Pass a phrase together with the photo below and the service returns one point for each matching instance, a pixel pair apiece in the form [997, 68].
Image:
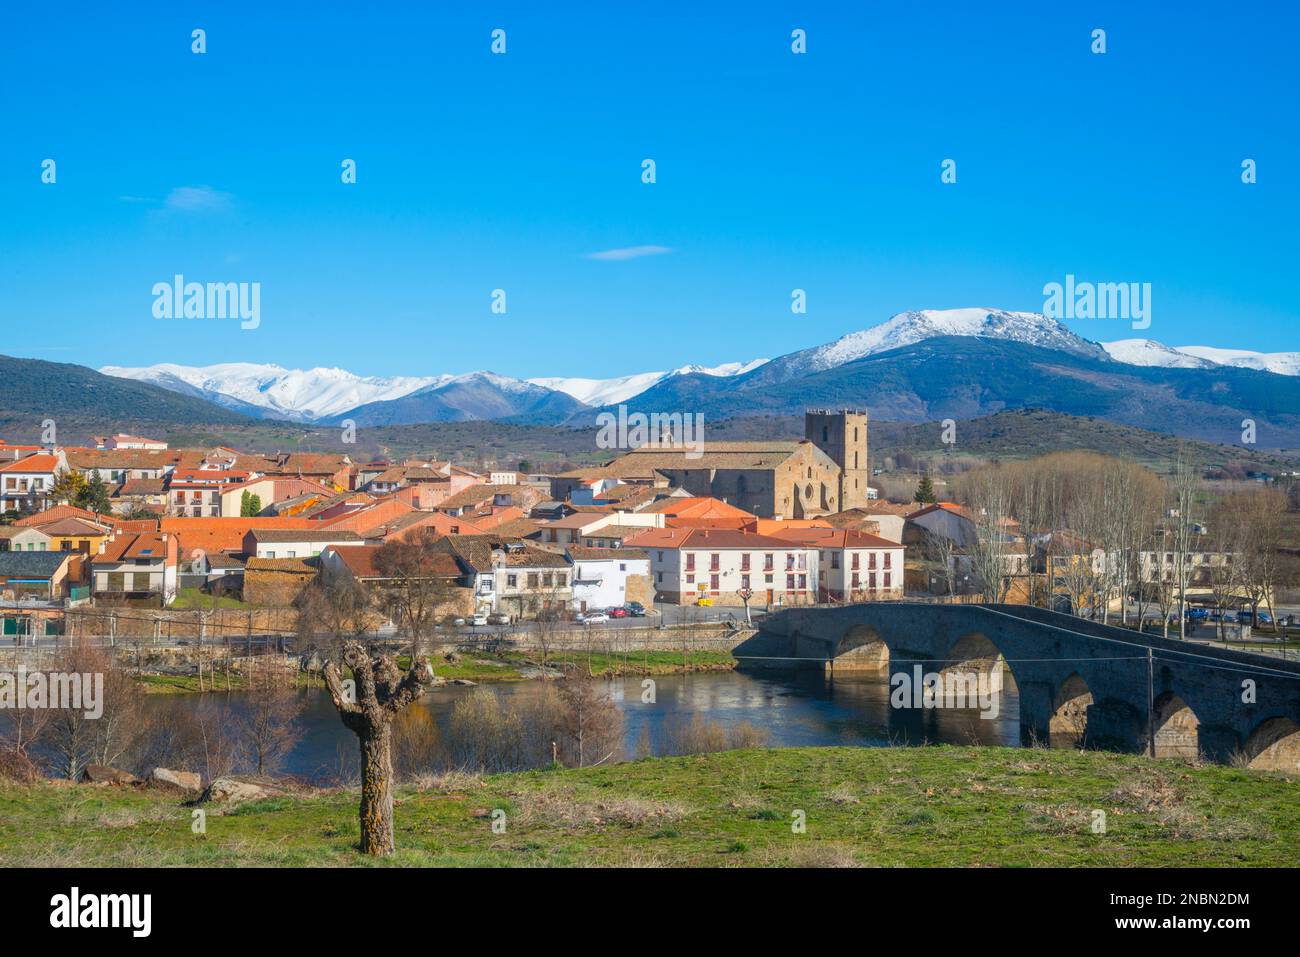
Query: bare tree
[591, 726]
[74, 738]
[367, 708]
[268, 728]
[419, 588]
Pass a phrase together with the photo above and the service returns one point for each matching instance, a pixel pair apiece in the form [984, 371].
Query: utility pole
[1151, 704]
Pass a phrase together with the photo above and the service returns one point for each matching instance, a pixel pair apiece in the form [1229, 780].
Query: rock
[102, 774]
[232, 790]
[186, 781]
[463, 681]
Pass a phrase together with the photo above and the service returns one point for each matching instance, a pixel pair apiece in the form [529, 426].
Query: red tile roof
[32, 463]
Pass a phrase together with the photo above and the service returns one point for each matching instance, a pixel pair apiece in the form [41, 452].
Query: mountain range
[915, 366]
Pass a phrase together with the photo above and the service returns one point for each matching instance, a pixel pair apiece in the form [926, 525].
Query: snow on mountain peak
[1281, 363]
[293, 393]
[599, 392]
[908, 328]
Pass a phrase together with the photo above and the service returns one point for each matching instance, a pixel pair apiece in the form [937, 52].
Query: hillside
[32, 390]
[1016, 434]
[964, 377]
[919, 807]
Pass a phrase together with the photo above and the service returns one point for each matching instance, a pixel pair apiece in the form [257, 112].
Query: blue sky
[775, 171]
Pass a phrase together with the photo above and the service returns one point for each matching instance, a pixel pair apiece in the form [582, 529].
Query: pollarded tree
[378, 693]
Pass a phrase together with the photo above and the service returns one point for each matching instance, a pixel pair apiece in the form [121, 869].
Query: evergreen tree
[925, 491]
[94, 496]
[243, 505]
[254, 505]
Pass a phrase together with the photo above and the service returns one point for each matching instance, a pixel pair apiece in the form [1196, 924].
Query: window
[714, 560]
[713, 582]
[532, 579]
[512, 581]
[835, 559]
[690, 561]
[857, 582]
[547, 579]
[744, 581]
[857, 561]
[767, 563]
[690, 579]
[871, 580]
[560, 579]
[886, 579]
[888, 558]
[789, 583]
[803, 582]
[871, 560]
[744, 561]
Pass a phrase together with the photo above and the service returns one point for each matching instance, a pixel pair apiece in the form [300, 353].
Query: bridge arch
[861, 649]
[1177, 728]
[1274, 745]
[1069, 723]
[974, 651]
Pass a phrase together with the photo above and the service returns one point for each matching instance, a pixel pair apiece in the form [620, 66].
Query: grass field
[930, 806]
[510, 666]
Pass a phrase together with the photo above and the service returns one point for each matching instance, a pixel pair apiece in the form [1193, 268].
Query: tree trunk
[377, 789]
[381, 692]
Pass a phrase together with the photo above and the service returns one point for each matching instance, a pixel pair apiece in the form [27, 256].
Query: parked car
[458, 622]
[479, 619]
[636, 609]
[1198, 614]
[498, 618]
[618, 613]
[593, 617]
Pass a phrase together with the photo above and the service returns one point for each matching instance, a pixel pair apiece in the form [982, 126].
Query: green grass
[511, 666]
[932, 806]
[193, 598]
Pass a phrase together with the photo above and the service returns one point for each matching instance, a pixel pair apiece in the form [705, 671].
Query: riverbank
[926, 806]
[507, 666]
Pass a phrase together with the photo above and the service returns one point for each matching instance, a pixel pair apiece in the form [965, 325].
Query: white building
[690, 564]
[601, 576]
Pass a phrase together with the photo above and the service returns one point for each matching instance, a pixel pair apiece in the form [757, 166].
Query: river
[797, 708]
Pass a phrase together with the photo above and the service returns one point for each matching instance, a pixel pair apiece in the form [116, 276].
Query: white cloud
[197, 199]
[629, 252]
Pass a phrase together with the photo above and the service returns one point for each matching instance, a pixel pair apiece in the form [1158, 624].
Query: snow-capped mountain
[1281, 363]
[908, 328]
[1145, 352]
[319, 395]
[1148, 352]
[600, 392]
[298, 394]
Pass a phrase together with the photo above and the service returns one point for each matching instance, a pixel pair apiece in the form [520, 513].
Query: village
[737, 528]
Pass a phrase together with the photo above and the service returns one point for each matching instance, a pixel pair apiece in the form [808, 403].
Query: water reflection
[798, 708]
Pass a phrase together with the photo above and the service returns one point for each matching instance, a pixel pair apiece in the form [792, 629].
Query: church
[825, 472]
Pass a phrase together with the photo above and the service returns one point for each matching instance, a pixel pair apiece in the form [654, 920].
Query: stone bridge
[1080, 683]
